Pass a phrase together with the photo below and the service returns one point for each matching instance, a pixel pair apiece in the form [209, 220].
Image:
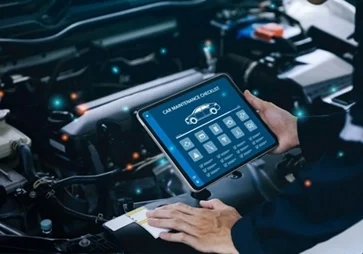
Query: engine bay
[73, 74]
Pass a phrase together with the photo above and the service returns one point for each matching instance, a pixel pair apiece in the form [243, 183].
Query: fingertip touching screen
[208, 131]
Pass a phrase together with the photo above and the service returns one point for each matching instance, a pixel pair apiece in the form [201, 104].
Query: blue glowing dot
[299, 113]
[340, 154]
[126, 109]
[163, 51]
[138, 191]
[255, 92]
[115, 70]
[208, 48]
[333, 89]
[224, 94]
[57, 102]
[171, 148]
[162, 162]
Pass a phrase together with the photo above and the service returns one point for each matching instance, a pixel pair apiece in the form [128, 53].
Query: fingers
[166, 214]
[181, 208]
[180, 238]
[257, 103]
[213, 204]
[174, 224]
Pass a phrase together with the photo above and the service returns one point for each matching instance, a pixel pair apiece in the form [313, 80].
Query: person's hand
[281, 122]
[206, 229]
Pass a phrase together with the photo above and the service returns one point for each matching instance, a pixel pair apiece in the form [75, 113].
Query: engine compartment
[73, 86]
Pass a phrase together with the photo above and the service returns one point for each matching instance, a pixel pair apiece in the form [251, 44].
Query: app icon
[237, 132]
[210, 147]
[216, 129]
[250, 125]
[242, 115]
[229, 122]
[187, 144]
[195, 155]
[201, 136]
[224, 139]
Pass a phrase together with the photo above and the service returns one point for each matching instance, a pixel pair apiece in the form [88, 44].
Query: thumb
[257, 103]
[212, 204]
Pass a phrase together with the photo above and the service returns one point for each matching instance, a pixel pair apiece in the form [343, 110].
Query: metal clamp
[99, 217]
[50, 194]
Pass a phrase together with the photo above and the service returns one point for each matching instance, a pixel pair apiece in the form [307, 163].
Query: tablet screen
[208, 131]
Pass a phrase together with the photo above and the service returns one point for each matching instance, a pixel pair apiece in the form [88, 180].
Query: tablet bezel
[169, 155]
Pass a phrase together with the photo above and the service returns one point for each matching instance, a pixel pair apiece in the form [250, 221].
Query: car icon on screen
[202, 112]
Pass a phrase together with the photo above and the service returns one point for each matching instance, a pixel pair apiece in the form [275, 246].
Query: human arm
[314, 135]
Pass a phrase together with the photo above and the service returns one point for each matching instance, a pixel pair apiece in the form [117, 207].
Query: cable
[90, 179]
[79, 215]
[7, 229]
[28, 162]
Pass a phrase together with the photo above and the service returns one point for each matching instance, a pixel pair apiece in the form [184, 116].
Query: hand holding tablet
[208, 131]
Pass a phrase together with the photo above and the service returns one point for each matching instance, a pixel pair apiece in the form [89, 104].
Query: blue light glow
[340, 154]
[162, 161]
[208, 48]
[125, 109]
[299, 113]
[115, 70]
[224, 94]
[163, 51]
[255, 92]
[333, 89]
[138, 191]
[57, 102]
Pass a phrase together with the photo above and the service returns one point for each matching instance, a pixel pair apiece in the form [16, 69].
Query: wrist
[231, 248]
[294, 136]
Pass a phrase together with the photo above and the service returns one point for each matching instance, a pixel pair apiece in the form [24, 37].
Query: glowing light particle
[299, 113]
[307, 183]
[340, 154]
[224, 94]
[162, 161]
[125, 108]
[1, 94]
[57, 102]
[136, 156]
[255, 92]
[138, 191]
[129, 167]
[115, 70]
[163, 51]
[73, 96]
[64, 137]
[333, 89]
[208, 43]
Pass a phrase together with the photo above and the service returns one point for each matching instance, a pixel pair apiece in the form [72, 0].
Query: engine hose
[79, 215]
[85, 179]
[9, 230]
[28, 162]
[91, 179]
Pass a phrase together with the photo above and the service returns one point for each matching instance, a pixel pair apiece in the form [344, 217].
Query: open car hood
[37, 21]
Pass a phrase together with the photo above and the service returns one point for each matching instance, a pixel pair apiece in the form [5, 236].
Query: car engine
[73, 73]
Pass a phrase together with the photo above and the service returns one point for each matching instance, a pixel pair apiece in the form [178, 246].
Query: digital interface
[208, 131]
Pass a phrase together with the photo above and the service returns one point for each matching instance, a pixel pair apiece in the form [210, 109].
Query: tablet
[207, 131]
